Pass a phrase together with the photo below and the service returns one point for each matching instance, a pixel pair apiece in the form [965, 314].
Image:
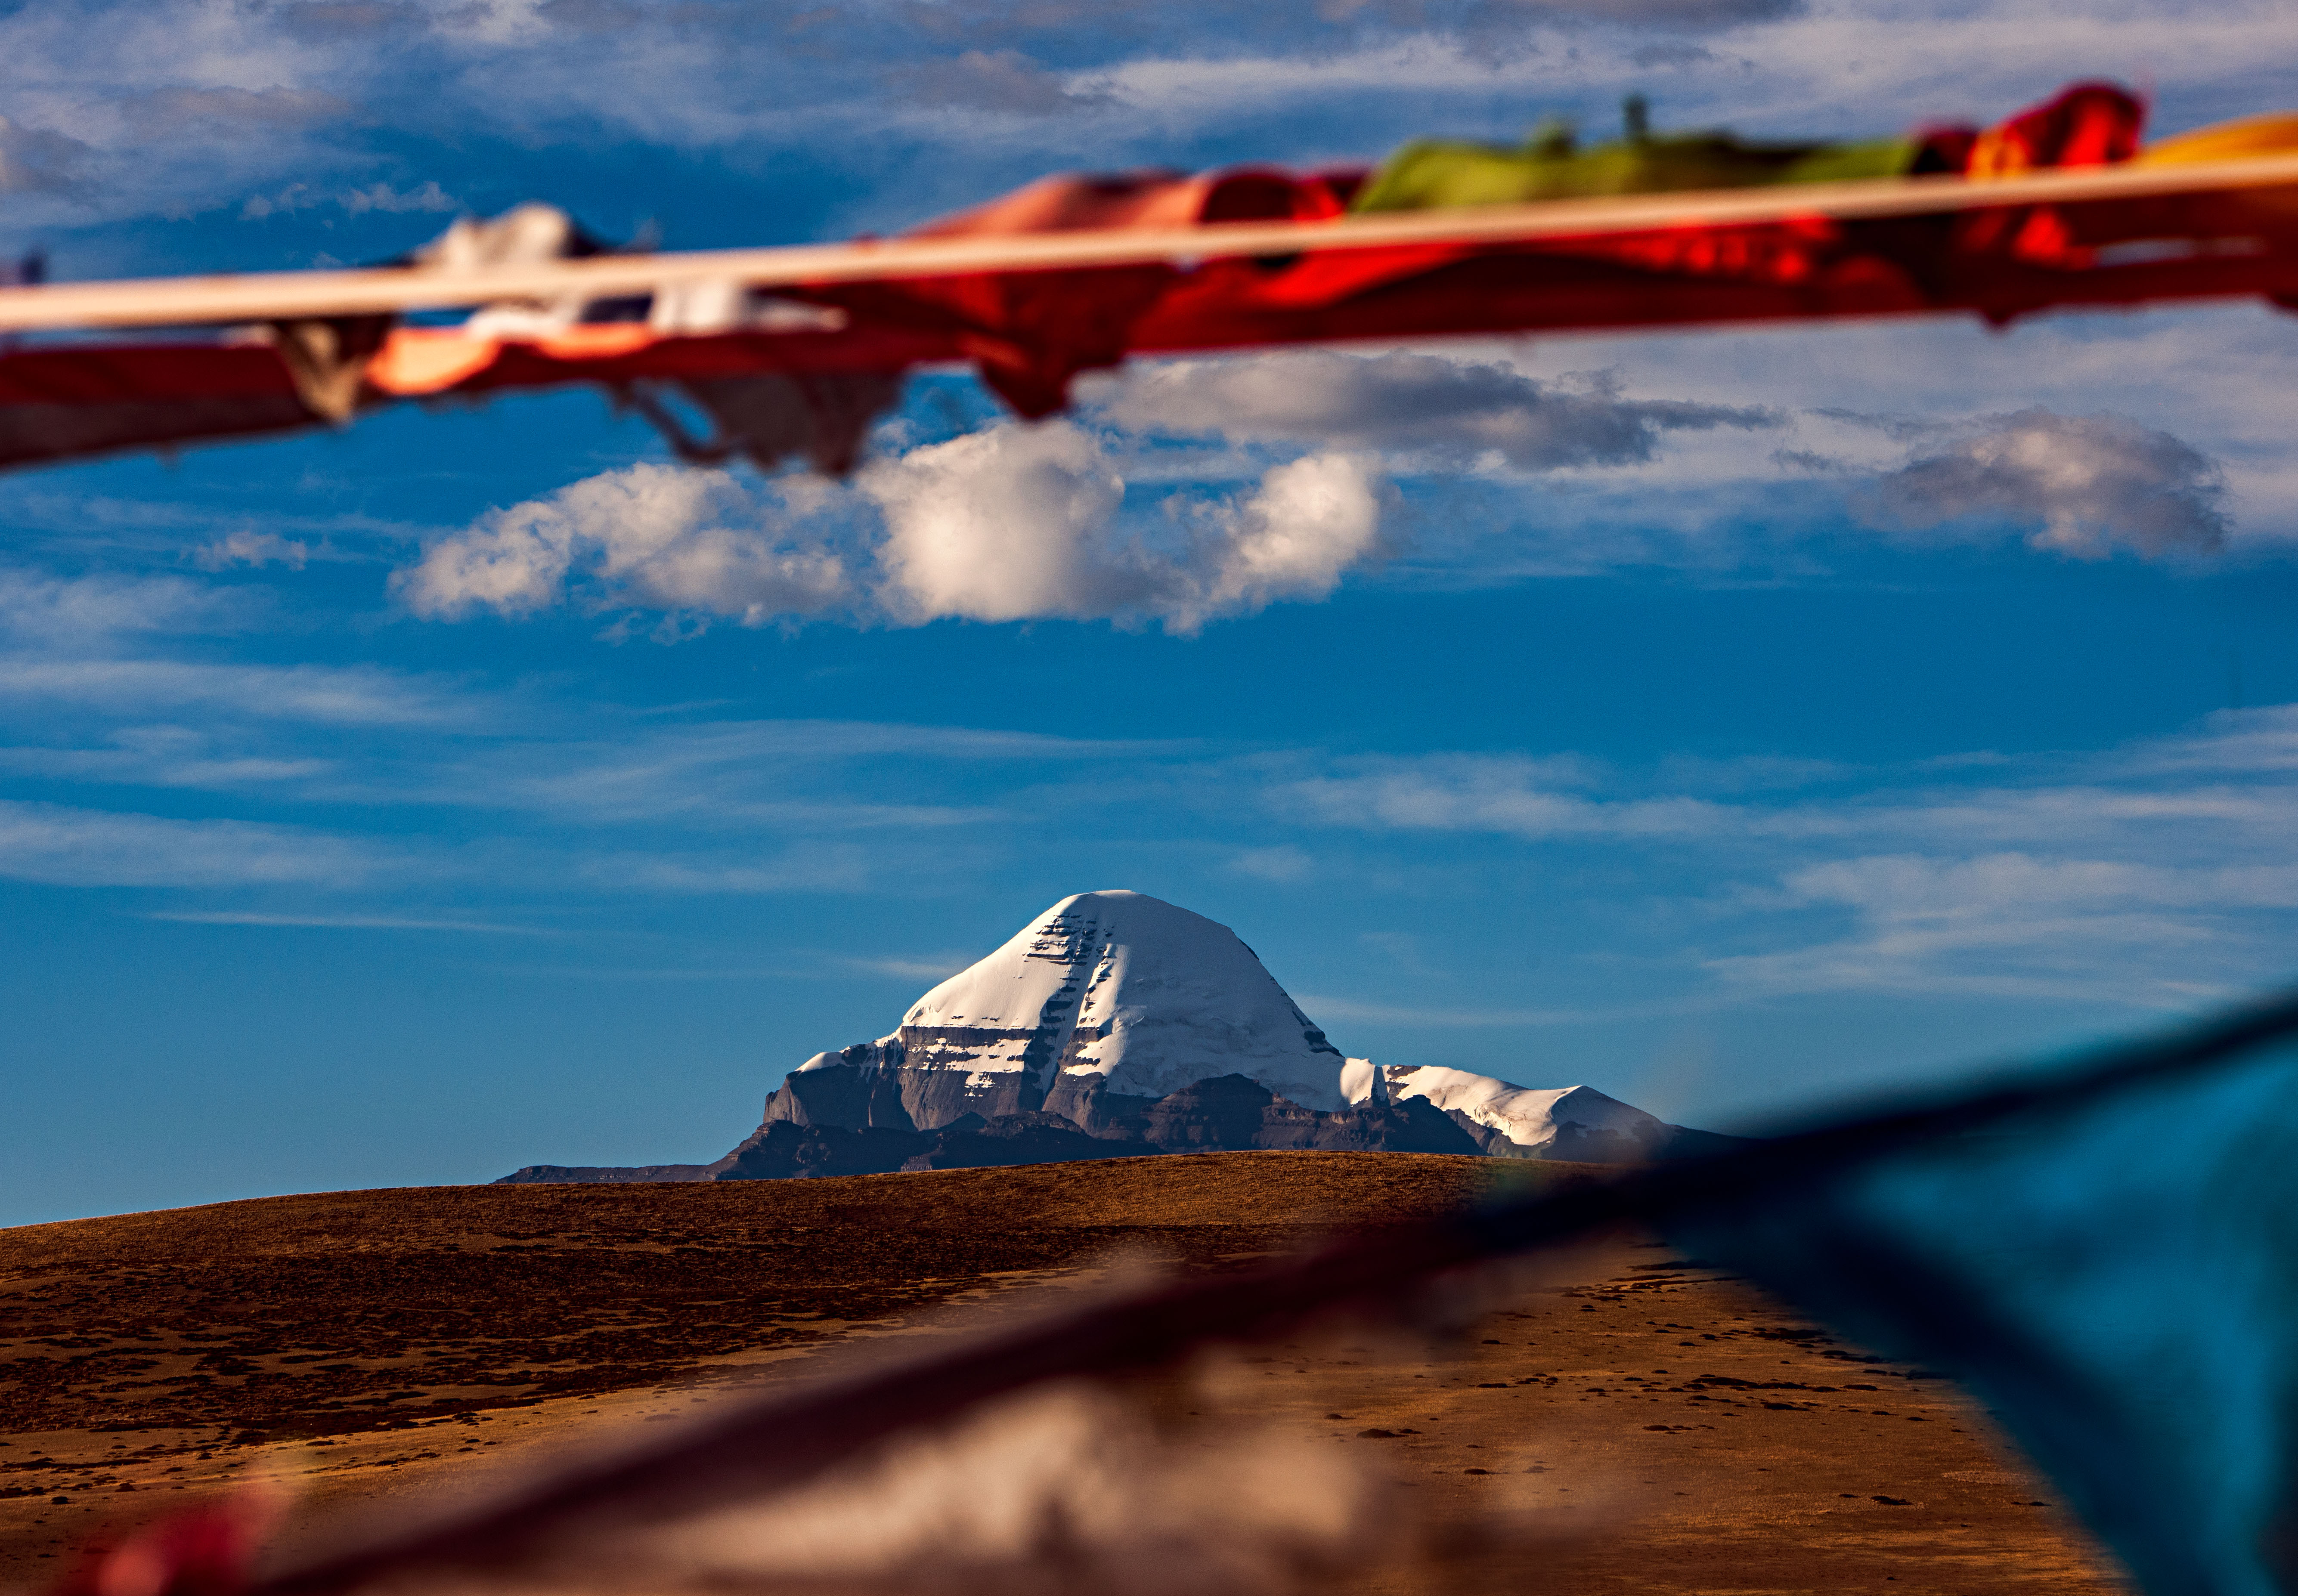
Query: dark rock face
[1223, 1114]
[1234, 1113]
[1491, 1142]
[899, 1095]
[973, 1143]
[560, 1174]
[1086, 1102]
[850, 1095]
[1411, 1126]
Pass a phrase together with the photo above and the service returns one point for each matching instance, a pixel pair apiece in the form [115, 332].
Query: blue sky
[1726, 720]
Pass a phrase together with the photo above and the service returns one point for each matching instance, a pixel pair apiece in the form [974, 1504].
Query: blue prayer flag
[2108, 1260]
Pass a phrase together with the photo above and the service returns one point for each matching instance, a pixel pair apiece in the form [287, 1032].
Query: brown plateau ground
[1670, 1429]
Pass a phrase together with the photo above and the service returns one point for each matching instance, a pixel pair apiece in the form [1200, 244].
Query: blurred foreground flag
[2109, 1261]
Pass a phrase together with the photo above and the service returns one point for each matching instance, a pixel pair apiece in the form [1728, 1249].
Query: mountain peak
[1142, 996]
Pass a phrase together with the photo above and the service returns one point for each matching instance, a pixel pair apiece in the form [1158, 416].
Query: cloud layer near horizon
[1110, 516]
[1015, 522]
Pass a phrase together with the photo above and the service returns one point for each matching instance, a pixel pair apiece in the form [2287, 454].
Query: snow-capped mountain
[1111, 1001]
[1111, 994]
[1118, 1025]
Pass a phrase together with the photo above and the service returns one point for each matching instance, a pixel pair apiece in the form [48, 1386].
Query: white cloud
[1012, 522]
[1309, 522]
[1018, 522]
[1004, 524]
[658, 536]
[2087, 484]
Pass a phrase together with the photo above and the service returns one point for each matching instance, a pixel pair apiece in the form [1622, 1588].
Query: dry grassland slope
[1645, 1427]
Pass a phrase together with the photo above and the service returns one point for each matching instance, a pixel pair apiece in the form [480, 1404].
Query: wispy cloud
[2154, 875]
[810, 867]
[245, 548]
[1003, 82]
[751, 773]
[169, 113]
[355, 922]
[87, 847]
[347, 695]
[1512, 795]
[1323, 1007]
[162, 756]
[934, 967]
[97, 610]
[1283, 864]
[2018, 925]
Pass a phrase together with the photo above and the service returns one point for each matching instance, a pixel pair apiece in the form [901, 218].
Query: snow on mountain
[1146, 995]
[1579, 1123]
[1109, 992]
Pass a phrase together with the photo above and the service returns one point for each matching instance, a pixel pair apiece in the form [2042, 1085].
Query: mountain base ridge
[561, 1174]
[1222, 1114]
